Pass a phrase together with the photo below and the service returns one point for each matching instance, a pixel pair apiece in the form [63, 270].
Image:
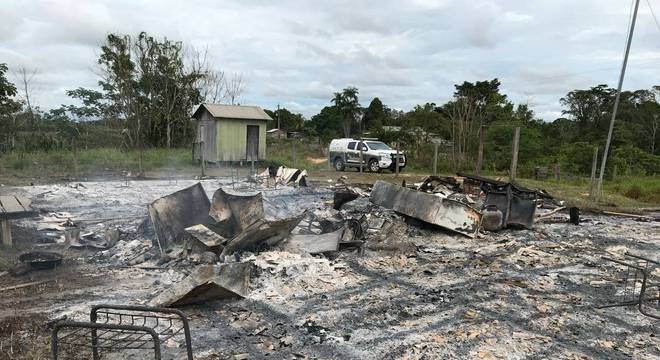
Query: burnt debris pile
[278, 265]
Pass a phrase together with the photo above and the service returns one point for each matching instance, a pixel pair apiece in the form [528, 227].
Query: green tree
[149, 88]
[94, 106]
[473, 105]
[589, 109]
[375, 116]
[426, 117]
[288, 121]
[327, 124]
[8, 108]
[348, 104]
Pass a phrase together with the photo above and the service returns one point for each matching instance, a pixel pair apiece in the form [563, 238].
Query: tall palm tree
[348, 104]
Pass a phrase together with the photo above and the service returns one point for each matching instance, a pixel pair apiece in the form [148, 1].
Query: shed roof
[233, 112]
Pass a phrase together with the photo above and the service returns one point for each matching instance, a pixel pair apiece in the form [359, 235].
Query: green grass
[23, 168]
[296, 154]
[615, 193]
[642, 188]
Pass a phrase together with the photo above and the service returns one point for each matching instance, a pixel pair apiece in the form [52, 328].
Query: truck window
[364, 147]
[351, 145]
[378, 145]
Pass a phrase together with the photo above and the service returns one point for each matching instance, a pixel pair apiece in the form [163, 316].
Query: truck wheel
[339, 164]
[373, 166]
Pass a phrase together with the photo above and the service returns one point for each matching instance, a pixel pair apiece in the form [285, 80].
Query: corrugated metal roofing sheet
[235, 111]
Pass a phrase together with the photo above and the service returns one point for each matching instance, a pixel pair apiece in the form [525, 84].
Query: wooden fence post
[514, 159]
[480, 154]
[201, 156]
[5, 232]
[361, 155]
[396, 164]
[592, 180]
[74, 145]
[435, 160]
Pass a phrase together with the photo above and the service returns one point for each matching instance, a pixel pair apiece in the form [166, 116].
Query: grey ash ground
[416, 293]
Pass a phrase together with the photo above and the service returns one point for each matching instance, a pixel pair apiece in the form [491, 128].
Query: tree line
[567, 142]
[148, 88]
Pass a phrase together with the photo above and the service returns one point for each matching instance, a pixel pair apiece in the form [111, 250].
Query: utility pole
[279, 132]
[599, 189]
[480, 154]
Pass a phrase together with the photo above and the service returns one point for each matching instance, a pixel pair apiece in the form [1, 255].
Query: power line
[586, 72]
[655, 19]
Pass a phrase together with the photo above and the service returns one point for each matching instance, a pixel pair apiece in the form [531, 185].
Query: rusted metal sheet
[173, 213]
[449, 214]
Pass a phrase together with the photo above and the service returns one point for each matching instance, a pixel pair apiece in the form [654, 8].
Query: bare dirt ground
[418, 292]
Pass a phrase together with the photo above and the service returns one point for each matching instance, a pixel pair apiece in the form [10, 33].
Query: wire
[653, 62]
[637, 64]
[657, 24]
[630, 15]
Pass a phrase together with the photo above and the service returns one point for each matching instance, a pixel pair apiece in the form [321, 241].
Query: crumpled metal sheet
[236, 212]
[315, 243]
[172, 214]
[207, 283]
[517, 205]
[449, 214]
[261, 234]
[341, 197]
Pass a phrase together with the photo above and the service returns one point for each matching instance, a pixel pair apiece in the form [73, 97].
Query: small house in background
[230, 133]
[392, 128]
[276, 134]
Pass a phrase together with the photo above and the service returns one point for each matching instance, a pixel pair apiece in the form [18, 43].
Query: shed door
[252, 142]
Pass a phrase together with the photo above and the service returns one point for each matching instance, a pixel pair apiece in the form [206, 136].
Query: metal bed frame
[646, 296]
[121, 327]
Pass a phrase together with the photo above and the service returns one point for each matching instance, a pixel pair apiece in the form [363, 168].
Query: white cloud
[296, 53]
[514, 17]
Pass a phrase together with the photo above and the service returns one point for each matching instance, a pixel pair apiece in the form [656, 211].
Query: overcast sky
[298, 52]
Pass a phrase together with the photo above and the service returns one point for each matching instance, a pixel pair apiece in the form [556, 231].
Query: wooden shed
[230, 133]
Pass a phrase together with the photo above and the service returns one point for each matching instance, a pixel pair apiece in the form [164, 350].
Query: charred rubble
[461, 266]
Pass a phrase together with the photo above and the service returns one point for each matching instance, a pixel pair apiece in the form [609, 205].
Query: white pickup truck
[376, 155]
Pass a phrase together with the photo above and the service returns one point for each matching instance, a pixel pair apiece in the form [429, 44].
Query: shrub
[634, 192]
